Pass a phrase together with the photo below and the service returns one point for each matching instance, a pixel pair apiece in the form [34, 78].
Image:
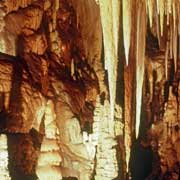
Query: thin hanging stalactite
[168, 9]
[157, 25]
[175, 49]
[162, 12]
[169, 6]
[157, 5]
[174, 45]
[166, 59]
[107, 27]
[178, 17]
[171, 40]
[116, 23]
[129, 93]
[110, 38]
[150, 7]
[140, 58]
[127, 5]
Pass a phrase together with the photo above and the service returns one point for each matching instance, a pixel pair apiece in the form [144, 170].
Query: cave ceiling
[103, 72]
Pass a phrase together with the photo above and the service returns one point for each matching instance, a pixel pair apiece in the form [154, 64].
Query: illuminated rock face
[106, 160]
[49, 160]
[4, 173]
[77, 155]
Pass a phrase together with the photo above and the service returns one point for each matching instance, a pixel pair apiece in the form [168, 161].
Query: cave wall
[45, 30]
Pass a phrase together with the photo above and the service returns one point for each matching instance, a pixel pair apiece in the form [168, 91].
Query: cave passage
[141, 161]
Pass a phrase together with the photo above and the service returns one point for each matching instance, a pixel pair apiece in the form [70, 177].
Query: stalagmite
[127, 27]
[140, 58]
[106, 167]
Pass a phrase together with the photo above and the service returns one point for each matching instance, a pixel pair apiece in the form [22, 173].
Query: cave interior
[89, 89]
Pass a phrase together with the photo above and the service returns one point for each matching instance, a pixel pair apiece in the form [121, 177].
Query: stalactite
[157, 25]
[175, 29]
[140, 58]
[127, 27]
[107, 24]
[174, 13]
[162, 10]
[167, 21]
[178, 17]
[116, 22]
[168, 10]
[110, 46]
[171, 42]
[174, 45]
[166, 60]
[129, 80]
[72, 67]
[157, 5]
[150, 7]
[169, 7]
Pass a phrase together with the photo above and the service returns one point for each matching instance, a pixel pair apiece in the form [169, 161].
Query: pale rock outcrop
[4, 172]
[48, 166]
[7, 39]
[77, 157]
[6, 71]
[106, 161]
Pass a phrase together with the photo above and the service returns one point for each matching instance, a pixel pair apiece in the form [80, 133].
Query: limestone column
[106, 165]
